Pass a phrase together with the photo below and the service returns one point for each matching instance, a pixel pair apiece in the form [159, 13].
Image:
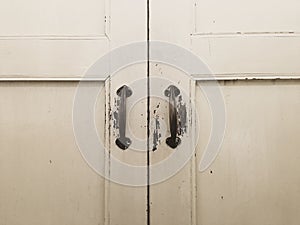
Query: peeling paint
[182, 116]
[159, 116]
[156, 128]
[115, 117]
[156, 133]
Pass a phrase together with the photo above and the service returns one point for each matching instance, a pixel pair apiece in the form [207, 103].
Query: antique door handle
[172, 92]
[123, 142]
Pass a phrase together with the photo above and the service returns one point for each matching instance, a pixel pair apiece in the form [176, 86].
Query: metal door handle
[123, 142]
[172, 92]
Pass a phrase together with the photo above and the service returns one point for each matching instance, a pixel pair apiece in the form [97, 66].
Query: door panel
[53, 18]
[255, 179]
[246, 16]
[236, 56]
[44, 179]
[49, 58]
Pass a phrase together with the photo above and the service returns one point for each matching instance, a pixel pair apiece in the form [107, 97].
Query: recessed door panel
[53, 18]
[255, 178]
[44, 179]
[246, 16]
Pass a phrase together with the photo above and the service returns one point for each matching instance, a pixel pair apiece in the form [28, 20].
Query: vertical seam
[148, 112]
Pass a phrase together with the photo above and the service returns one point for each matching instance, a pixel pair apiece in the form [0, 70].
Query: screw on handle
[172, 92]
[123, 142]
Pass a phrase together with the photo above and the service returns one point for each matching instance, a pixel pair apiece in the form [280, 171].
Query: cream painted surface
[259, 55]
[171, 200]
[255, 179]
[247, 37]
[44, 179]
[54, 38]
[258, 43]
[52, 18]
[49, 58]
[70, 43]
[128, 204]
[216, 16]
[128, 22]
[171, 21]
[64, 47]
[57, 41]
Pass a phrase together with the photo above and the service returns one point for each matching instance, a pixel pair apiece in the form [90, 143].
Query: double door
[160, 136]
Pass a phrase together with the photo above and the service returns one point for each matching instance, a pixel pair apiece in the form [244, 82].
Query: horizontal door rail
[51, 79]
[233, 77]
[194, 77]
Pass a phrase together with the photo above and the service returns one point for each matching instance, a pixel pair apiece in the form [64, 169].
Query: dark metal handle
[172, 92]
[123, 142]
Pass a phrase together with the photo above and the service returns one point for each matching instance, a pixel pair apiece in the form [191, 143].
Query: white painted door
[253, 178]
[46, 48]
[251, 49]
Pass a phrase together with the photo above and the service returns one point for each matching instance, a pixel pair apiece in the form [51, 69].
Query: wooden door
[250, 50]
[47, 48]
[246, 77]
